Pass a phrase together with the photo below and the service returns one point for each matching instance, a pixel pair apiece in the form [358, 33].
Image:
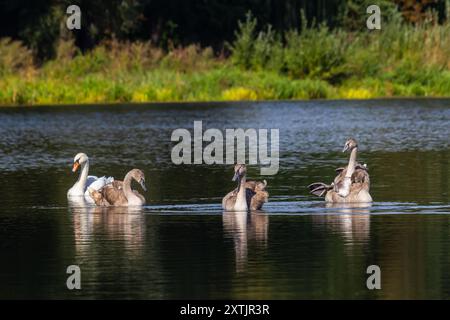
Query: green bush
[267, 51]
[316, 62]
[317, 53]
[242, 47]
[14, 57]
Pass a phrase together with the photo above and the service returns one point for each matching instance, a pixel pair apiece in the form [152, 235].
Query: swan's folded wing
[258, 200]
[229, 200]
[98, 198]
[361, 176]
[250, 184]
[319, 189]
[101, 182]
[117, 184]
[113, 193]
[338, 180]
[90, 180]
[254, 185]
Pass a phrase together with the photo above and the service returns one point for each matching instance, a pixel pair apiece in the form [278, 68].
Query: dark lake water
[181, 244]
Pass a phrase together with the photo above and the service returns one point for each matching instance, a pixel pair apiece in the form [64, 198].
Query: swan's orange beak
[75, 167]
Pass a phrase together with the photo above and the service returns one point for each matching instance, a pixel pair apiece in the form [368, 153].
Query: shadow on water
[182, 245]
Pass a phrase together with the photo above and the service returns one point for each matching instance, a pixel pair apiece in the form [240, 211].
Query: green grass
[398, 61]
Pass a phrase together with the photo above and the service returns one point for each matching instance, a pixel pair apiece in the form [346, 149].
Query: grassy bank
[399, 60]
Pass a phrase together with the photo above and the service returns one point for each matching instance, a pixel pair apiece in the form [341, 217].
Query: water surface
[181, 245]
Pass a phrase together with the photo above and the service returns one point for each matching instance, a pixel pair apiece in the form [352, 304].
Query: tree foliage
[172, 23]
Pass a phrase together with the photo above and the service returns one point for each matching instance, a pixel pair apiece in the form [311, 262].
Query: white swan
[79, 189]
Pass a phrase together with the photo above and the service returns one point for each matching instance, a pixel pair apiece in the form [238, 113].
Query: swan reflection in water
[245, 229]
[351, 220]
[124, 224]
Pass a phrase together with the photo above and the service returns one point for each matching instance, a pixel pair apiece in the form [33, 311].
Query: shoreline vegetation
[400, 60]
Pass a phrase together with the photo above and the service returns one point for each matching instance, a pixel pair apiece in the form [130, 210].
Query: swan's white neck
[79, 187]
[241, 199]
[84, 174]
